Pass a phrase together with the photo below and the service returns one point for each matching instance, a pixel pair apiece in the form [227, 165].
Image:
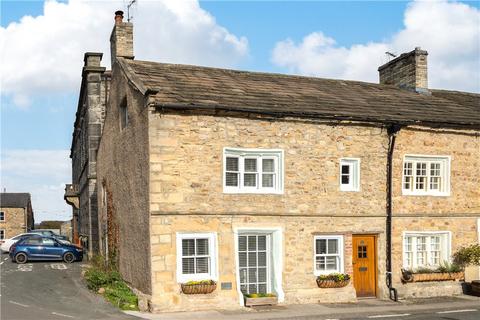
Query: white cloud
[42, 173]
[449, 31]
[44, 54]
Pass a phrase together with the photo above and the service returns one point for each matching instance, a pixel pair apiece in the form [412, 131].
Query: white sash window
[426, 175]
[252, 171]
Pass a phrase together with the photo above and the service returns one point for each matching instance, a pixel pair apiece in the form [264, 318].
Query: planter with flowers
[446, 272]
[333, 280]
[260, 299]
[199, 287]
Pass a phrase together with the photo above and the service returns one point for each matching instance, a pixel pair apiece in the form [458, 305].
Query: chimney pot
[119, 16]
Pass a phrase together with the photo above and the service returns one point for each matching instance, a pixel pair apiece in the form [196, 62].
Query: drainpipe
[392, 131]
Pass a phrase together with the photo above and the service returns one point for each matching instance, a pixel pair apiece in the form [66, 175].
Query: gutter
[392, 131]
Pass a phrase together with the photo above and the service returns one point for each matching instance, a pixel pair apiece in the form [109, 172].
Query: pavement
[450, 308]
[55, 290]
[50, 291]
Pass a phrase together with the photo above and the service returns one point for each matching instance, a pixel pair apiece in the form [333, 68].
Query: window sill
[248, 192]
[438, 194]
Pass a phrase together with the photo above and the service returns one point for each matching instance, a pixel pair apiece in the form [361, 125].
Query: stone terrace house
[16, 214]
[261, 182]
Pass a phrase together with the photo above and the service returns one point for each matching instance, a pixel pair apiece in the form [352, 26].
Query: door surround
[276, 248]
[373, 286]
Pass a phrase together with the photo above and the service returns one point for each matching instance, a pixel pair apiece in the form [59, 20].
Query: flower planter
[198, 288]
[332, 283]
[437, 276]
[263, 301]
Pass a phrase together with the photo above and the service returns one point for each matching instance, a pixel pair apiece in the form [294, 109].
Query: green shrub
[426, 270]
[116, 290]
[468, 256]
[189, 283]
[337, 277]
[260, 295]
[449, 267]
[120, 295]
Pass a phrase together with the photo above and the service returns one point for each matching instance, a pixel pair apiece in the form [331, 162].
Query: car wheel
[21, 258]
[68, 257]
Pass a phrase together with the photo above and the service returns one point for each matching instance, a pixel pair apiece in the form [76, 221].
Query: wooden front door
[364, 265]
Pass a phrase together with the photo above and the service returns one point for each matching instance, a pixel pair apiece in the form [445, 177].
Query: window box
[252, 300]
[434, 276]
[334, 280]
[199, 287]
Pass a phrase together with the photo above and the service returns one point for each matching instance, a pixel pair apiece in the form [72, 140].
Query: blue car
[38, 247]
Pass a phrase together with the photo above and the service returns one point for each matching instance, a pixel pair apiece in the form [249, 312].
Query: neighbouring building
[81, 194]
[261, 182]
[66, 229]
[16, 214]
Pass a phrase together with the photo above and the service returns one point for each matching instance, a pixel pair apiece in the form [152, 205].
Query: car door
[33, 247]
[51, 249]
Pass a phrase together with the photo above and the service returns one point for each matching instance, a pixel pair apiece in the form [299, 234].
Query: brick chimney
[408, 71]
[121, 39]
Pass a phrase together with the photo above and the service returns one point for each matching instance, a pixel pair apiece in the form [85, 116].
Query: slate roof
[194, 87]
[14, 200]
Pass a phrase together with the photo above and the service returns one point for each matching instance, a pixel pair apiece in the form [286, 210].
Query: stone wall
[122, 169]
[298, 280]
[464, 150]
[14, 221]
[464, 232]
[186, 166]
[186, 161]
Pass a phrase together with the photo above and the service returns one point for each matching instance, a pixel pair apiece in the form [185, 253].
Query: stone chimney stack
[121, 39]
[408, 71]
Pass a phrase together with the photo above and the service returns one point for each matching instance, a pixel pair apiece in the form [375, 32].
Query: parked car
[7, 243]
[44, 248]
[50, 233]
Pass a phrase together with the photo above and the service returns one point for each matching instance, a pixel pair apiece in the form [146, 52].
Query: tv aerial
[129, 17]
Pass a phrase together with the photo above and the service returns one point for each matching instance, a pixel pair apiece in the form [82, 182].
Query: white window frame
[4, 215]
[445, 248]
[259, 154]
[354, 174]
[212, 249]
[445, 164]
[341, 263]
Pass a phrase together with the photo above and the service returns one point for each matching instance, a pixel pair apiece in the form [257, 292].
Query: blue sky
[41, 69]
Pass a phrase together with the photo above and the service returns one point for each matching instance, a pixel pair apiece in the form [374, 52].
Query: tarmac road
[50, 291]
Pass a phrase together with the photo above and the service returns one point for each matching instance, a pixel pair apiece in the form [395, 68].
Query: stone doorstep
[308, 310]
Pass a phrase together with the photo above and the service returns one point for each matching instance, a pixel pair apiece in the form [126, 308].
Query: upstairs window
[349, 174]
[253, 171]
[196, 257]
[2, 216]
[426, 175]
[123, 114]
